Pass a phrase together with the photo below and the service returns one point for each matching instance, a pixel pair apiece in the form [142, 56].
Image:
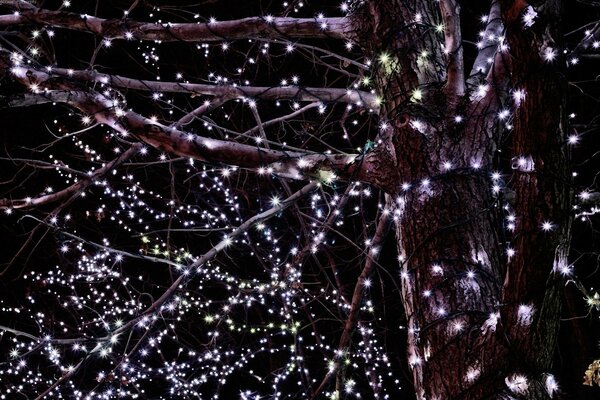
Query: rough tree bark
[482, 322]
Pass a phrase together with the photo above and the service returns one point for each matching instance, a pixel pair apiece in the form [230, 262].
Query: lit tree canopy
[365, 199]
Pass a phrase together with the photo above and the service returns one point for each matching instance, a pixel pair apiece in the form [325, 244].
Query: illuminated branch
[380, 233]
[325, 52]
[207, 106]
[291, 165]
[213, 252]
[211, 31]
[590, 40]
[123, 253]
[487, 50]
[227, 92]
[181, 280]
[68, 373]
[450, 10]
[64, 377]
[262, 125]
[74, 189]
[357, 295]
[263, 137]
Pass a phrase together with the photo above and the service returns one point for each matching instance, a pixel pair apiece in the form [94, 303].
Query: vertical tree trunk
[482, 321]
[542, 185]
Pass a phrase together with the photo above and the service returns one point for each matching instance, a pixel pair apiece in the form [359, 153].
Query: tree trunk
[482, 319]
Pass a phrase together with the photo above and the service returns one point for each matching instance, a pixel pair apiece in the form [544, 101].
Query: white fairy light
[517, 383]
[547, 226]
[472, 374]
[549, 54]
[518, 96]
[525, 314]
[490, 324]
[529, 17]
[573, 139]
[551, 384]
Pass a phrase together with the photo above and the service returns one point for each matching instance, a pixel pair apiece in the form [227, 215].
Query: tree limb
[28, 99]
[357, 296]
[291, 165]
[277, 120]
[212, 253]
[74, 189]
[450, 10]
[211, 31]
[226, 92]
[486, 52]
[207, 106]
[587, 41]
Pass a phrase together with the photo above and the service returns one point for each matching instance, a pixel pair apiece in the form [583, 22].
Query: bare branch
[489, 46]
[19, 5]
[587, 41]
[344, 60]
[227, 92]
[74, 189]
[211, 31]
[357, 295]
[291, 165]
[450, 10]
[207, 106]
[213, 252]
[63, 378]
[277, 120]
[123, 253]
[378, 238]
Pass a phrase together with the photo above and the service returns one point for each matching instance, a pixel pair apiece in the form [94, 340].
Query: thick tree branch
[450, 10]
[291, 165]
[489, 44]
[211, 31]
[28, 99]
[542, 184]
[226, 92]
